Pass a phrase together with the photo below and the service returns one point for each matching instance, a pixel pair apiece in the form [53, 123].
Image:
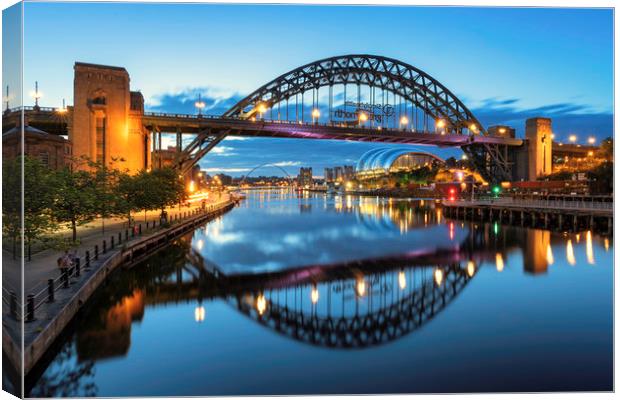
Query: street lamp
[261, 108]
[62, 110]
[363, 117]
[572, 138]
[473, 128]
[315, 115]
[200, 105]
[404, 121]
[36, 94]
[591, 140]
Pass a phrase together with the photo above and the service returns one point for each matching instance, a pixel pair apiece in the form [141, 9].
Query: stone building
[52, 150]
[107, 118]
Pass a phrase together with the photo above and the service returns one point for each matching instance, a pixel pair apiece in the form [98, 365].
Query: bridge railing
[535, 203]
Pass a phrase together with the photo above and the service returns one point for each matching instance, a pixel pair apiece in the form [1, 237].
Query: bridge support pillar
[575, 222]
[610, 226]
[560, 220]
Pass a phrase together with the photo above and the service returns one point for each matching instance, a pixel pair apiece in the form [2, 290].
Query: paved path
[43, 264]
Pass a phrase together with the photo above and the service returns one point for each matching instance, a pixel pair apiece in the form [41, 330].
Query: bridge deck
[49, 120]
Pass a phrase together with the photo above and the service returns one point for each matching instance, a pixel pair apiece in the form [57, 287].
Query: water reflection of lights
[549, 255]
[402, 280]
[438, 276]
[314, 295]
[361, 287]
[499, 262]
[451, 230]
[570, 254]
[606, 243]
[589, 250]
[261, 304]
[199, 313]
[471, 268]
[199, 244]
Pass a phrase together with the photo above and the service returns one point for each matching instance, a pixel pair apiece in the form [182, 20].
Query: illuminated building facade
[107, 118]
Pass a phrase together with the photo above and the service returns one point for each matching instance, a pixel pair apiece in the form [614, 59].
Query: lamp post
[404, 121]
[199, 105]
[315, 115]
[36, 95]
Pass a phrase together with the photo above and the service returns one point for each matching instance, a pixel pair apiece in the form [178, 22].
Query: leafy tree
[11, 201]
[76, 199]
[164, 188]
[601, 178]
[39, 191]
[607, 148]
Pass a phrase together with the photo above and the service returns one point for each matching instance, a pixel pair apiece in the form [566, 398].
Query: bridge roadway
[188, 123]
[50, 120]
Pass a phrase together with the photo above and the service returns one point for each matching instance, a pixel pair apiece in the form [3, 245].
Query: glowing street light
[464, 157]
[200, 105]
[473, 128]
[572, 138]
[315, 115]
[314, 295]
[261, 108]
[363, 117]
[361, 287]
[591, 140]
[62, 110]
[199, 313]
[438, 276]
[261, 304]
[404, 120]
[440, 123]
[402, 280]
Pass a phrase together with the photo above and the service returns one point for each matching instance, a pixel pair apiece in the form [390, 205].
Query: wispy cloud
[287, 163]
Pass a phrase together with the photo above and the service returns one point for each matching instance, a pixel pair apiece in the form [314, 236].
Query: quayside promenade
[556, 214]
[51, 305]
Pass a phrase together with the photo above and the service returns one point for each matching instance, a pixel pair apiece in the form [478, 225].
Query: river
[314, 293]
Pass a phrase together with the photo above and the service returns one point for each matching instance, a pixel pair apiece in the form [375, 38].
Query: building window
[98, 100]
[101, 139]
[44, 157]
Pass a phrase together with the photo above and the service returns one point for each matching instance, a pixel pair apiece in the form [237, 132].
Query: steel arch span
[387, 74]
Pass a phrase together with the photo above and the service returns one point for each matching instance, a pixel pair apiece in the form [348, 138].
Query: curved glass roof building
[382, 161]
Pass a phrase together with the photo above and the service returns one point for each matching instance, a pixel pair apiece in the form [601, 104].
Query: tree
[76, 199]
[164, 188]
[11, 201]
[601, 178]
[39, 192]
[607, 148]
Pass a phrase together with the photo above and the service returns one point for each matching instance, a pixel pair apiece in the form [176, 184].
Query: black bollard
[126, 235]
[77, 267]
[30, 308]
[140, 229]
[112, 241]
[87, 259]
[105, 247]
[50, 290]
[13, 304]
[120, 238]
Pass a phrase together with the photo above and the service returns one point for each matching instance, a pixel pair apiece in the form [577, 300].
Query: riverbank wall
[58, 309]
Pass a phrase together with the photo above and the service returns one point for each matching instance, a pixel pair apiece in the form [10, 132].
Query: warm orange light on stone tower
[538, 133]
[107, 118]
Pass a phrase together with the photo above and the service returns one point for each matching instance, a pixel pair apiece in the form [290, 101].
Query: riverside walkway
[558, 214]
[51, 305]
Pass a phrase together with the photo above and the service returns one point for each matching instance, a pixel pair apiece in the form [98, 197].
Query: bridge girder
[380, 72]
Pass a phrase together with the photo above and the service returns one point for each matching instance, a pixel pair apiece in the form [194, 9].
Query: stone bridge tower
[107, 118]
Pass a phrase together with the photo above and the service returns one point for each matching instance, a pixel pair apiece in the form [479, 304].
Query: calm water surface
[291, 294]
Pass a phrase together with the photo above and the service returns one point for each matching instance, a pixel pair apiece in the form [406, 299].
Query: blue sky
[506, 64]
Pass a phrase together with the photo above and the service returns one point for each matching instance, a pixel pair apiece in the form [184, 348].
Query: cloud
[216, 101]
[287, 163]
[566, 118]
[223, 151]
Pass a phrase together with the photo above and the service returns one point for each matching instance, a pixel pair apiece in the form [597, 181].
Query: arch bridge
[358, 97]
